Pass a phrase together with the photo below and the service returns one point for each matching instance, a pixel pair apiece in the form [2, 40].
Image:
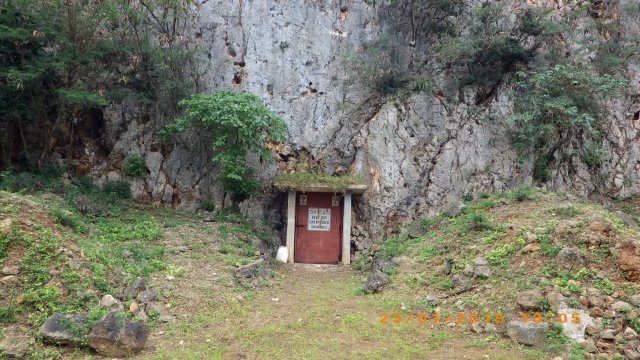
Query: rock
[282, 256]
[569, 259]
[635, 300]
[555, 299]
[86, 206]
[167, 319]
[591, 330]
[86, 294]
[447, 264]
[461, 282]
[455, 209]
[376, 282]
[596, 312]
[480, 261]
[528, 333]
[65, 329]
[596, 302]
[610, 314]
[490, 328]
[138, 285]
[607, 334]
[626, 218]
[530, 300]
[7, 280]
[383, 265]
[253, 274]
[482, 271]
[468, 270]
[629, 262]
[477, 327]
[111, 303]
[621, 306]
[589, 346]
[618, 324]
[605, 346]
[432, 300]
[116, 336]
[629, 334]
[10, 270]
[529, 248]
[15, 347]
[416, 230]
[575, 329]
[631, 354]
[5, 226]
[146, 296]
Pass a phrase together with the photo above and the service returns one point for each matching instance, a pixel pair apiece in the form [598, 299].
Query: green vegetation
[64, 59]
[241, 124]
[300, 179]
[133, 165]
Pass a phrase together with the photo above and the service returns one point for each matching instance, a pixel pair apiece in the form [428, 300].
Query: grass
[301, 179]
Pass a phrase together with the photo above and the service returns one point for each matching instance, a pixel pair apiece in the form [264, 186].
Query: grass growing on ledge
[300, 179]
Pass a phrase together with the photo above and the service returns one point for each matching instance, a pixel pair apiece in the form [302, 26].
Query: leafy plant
[605, 286]
[240, 123]
[118, 188]
[133, 165]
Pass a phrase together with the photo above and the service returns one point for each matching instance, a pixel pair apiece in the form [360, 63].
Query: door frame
[346, 226]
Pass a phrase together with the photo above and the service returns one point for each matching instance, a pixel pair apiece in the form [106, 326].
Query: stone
[111, 303]
[87, 206]
[114, 335]
[621, 306]
[65, 329]
[15, 346]
[10, 270]
[635, 300]
[609, 314]
[253, 274]
[569, 259]
[468, 270]
[589, 346]
[461, 282]
[167, 319]
[480, 261]
[432, 300]
[530, 248]
[383, 265]
[455, 209]
[416, 230]
[555, 299]
[146, 296]
[596, 302]
[530, 300]
[629, 334]
[482, 272]
[490, 328]
[584, 301]
[7, 280]
[596, 312]
[5, 226]
[477, 327]
[138, 285]
[376, 282]
[447, 264]
[607, 334]
[528, 333]
[605, 346]
[591, 330]
[618, 324]
[631, 354]
[86, 294]
[626, 218]
[576, 324]
[629, 263]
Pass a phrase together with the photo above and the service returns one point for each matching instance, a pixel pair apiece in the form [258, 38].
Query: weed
[498, 256]
[605, 286]
[207, 205]
[118, 188]
[565, 211]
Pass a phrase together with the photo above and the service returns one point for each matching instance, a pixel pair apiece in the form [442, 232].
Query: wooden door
[318, 228]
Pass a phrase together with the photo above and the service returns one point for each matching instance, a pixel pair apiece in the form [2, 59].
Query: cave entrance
[319, 223]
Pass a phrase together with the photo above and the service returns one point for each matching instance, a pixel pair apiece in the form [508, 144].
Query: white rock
[282, 255]
[575, 326]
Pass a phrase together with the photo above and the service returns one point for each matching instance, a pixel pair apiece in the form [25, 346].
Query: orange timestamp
[550, 317]
[435, 318]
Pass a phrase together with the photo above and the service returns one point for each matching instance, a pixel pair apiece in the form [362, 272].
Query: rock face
[419, 155]
[65, 329]
[376, 282]
[115, 335]
[528, 333]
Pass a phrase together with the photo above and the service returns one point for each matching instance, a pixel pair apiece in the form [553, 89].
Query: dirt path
[303, 312]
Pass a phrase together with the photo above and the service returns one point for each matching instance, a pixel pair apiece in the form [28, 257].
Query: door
[318, 228]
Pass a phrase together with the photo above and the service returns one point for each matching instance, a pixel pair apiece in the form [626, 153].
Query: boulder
[482, 271]
[138, 285]
[576, 324]
[65, 329]
[528, 333]
[376, 282]
[116, 336]
[621, 306]
[530, 300]
[111, 303]
[15, 347]
[383, 265]
[461, 282]
[629, 262]
[555, 298]
[253, 274]
[146, 296]
[416, 230]
[10, 270]
[455, 209]
[635, 300]
[569, 259]
[589, 346]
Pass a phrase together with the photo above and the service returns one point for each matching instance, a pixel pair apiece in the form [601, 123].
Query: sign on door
[319, 219]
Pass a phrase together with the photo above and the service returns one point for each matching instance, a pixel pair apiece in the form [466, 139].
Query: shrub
[241, 124]
[207, 205]
[118, 188]
[134, 166]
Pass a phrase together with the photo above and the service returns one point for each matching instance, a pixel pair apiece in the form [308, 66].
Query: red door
[318, 228]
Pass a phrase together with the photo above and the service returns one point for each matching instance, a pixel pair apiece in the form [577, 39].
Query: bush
[134, 166]
[241, 123]
[118, 188]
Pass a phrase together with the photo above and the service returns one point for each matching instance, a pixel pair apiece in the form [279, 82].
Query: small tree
[239, 123]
